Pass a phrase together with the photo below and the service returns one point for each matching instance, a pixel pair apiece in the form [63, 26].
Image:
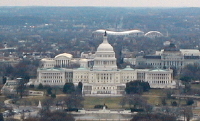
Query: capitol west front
[103, 78]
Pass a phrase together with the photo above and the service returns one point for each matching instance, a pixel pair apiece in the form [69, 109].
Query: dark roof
[171, 47]
[152, 57]
[191, 57]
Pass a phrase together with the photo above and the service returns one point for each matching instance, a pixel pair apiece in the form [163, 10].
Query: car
[6, 113]
[71, 110]
[26, 110]
[16, 111]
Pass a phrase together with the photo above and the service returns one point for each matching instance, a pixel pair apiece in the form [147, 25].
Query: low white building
[54, 76]
[9, 87]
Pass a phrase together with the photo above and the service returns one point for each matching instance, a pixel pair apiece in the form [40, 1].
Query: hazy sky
[117, 3]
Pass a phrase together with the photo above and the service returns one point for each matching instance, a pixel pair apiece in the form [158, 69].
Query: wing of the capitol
[100, 75]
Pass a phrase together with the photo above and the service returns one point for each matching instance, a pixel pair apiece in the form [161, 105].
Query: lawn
[153, 97]
[111, 102]
[195, 86]
[2, 99]
[31, 100]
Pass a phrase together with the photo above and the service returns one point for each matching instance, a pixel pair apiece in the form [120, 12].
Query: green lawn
[111, 102]
[33, 100]
[153, 97]
[195, 86]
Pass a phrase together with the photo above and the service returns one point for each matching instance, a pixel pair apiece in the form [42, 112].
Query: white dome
[105, 46]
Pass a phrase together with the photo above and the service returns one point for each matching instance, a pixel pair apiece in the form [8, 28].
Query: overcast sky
[116, 3]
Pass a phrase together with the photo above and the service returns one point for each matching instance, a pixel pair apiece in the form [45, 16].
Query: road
[27, 111]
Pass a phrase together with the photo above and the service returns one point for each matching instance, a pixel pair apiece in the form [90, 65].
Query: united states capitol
[99, 72]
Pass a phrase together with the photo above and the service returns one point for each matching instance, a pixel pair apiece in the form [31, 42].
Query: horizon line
[109, 6]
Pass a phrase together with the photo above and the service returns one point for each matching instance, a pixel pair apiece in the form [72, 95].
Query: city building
[170, 57]
[132, 33]
[129, 33]
[99, 72]
[153, 34]
[10, 86]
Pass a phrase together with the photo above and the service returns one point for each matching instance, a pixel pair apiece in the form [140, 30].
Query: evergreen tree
[68, 88]
[79, 87]
[137, 87]
[40, 86]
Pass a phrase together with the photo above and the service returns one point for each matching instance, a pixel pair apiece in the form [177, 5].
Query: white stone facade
[54, 76]
[103, 77]
[170, 57]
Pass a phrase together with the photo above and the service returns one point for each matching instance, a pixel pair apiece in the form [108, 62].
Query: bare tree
[21, 88]
[74, 101]
[153, 117]
[123, 101]
[135, 101]
[47, 103]
[56, 116]
[187, 113]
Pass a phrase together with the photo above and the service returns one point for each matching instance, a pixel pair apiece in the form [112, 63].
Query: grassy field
[195, 86]
[153, 97]
[111, 102]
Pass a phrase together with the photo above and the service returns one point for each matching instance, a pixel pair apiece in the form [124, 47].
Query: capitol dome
[105, 46]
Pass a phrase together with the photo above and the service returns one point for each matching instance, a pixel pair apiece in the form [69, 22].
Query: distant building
[102, 77]
[132, 33]
[170, 57]
[10, 61]
[10, 86]
[6, 48]
[153, 34]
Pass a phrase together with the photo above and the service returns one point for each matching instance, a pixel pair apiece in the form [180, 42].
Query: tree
[40, 86]
[31, 86]
[189, 101]
[137, 87]
[79, 88]
[168, 93]
[123, 102]
[46, 104]
[74, 101]
[53, 95]
[49, 89]
[1, 117]
[174, 103]
[134, 101]
[68, 88]
[21, 87]
[187, 88]
[190, 72]
[153, 117]
[4, 79]
[56, 116]
[163, 101]
[187, 113]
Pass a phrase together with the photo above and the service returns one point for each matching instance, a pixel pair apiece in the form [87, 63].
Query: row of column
[173, 63]
[62, 63]
[104, 77]
[103, 63]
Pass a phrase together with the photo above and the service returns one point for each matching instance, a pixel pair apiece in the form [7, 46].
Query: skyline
[104, 3]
